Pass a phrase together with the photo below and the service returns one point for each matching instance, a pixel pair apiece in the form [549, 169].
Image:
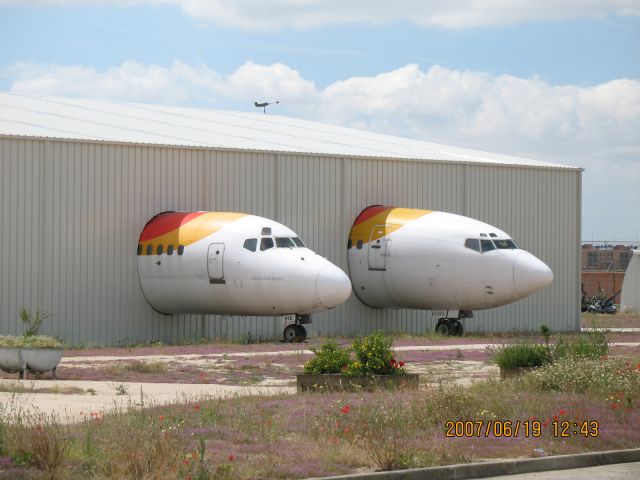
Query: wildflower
[194, 455]
[613, 406]
[346, 409]
[196, 407]
[185, 461]
[562, 412]
[161, 418]
[638, 367]
[346, 430]
[555, 417]
[232, 457]
[401, 364]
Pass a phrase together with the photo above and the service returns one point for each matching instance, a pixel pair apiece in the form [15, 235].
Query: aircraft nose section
[530, 274]
[333, 286]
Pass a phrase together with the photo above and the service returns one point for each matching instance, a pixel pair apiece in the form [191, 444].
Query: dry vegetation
[323, 434]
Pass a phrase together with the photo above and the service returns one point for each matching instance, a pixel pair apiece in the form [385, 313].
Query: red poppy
[532, 418]
[185, 461]
[346, 409]
[613, 406]
[161, 418]
[638, 366]
[555, 417]
[196, 407]
[232, 457]
[562, 412]
[401, 364]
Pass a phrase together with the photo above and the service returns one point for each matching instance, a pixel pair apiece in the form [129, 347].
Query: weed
[33, 322]
[145, 367]
[91, 391]
[121, 389]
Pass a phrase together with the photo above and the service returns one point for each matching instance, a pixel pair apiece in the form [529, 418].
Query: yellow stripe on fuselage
[386, 222]
[193, 231]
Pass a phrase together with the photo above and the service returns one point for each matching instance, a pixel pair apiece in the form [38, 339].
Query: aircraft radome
[235, 264]
[422, 259]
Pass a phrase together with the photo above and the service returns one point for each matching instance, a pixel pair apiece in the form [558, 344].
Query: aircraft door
[378, 248]
[215, 258]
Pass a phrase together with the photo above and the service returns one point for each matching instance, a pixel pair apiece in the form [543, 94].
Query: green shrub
[522, 355]
[329, 358]
[38, 341]
[591, 345]
[374, 355]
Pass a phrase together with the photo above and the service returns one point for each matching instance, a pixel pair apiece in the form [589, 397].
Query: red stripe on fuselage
[370, 212]
[165, 222]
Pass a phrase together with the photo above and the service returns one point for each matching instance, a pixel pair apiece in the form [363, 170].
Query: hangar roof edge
[143, 124]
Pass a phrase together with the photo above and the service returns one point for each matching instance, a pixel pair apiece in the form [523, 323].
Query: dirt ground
[617, 320]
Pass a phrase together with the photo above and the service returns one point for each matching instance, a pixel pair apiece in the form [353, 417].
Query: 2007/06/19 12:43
[530, 428]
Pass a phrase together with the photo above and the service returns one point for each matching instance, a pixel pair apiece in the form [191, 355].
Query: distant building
[606, 257]
[603, 268]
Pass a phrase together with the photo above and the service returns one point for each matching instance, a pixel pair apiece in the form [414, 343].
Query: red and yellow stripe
[182, 228]
[385, 219]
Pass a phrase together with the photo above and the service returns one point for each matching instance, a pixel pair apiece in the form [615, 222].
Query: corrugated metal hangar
[80, 179]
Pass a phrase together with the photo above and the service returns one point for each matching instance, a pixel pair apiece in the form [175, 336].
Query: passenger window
[266, 244]
[349, 244]
[149, 249]
[487, 245]
[505, 244]
[159, 249]
[180, 249]
[139, 249]
[473, 244]
[284, 242]
[359, 244]
[493, 235]
[251, 244]
[298, 242]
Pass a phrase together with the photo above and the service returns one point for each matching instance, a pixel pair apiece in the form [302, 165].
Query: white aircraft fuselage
[422, 259]
[233, 264]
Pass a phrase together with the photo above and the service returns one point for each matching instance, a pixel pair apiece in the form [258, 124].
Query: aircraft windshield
[284, 242]
[505, 244]
[298, 242]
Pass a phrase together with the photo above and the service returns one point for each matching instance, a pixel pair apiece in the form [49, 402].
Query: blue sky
[556, 81]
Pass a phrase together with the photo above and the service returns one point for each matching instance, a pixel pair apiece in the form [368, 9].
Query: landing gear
[295, 332]
[452, 326]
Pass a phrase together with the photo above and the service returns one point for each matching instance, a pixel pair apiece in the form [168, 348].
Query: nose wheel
[450, 326]
[295, 332]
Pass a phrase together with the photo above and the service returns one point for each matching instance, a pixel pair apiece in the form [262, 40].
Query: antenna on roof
[264, 105]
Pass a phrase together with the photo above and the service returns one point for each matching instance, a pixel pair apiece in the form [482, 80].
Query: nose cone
[333, 286]
[530, 274]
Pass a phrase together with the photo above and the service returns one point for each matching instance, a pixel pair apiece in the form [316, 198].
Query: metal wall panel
[72, 212]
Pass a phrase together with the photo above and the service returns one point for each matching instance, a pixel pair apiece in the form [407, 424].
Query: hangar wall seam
[72, 212]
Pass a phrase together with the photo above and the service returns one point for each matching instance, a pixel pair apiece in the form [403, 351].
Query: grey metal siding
[72, 212]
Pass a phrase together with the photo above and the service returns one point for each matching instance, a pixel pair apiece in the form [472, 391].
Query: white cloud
[278, 14]
[593, 127]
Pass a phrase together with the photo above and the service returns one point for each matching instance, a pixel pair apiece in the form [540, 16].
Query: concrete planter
[36, 360]
[514, 372]
[338, 382]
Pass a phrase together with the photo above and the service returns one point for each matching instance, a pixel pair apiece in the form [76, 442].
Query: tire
[456, 328]
[443, 327]
[302, 334]
[290, 333]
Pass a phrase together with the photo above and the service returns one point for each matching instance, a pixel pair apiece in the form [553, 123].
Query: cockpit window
[487, 245]
[483, 234]
[505, 244]
[298, 242]
[284, 242]
[266, 244]
[473, 244]
[493, 235]
[359, 244]
[251, 244]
